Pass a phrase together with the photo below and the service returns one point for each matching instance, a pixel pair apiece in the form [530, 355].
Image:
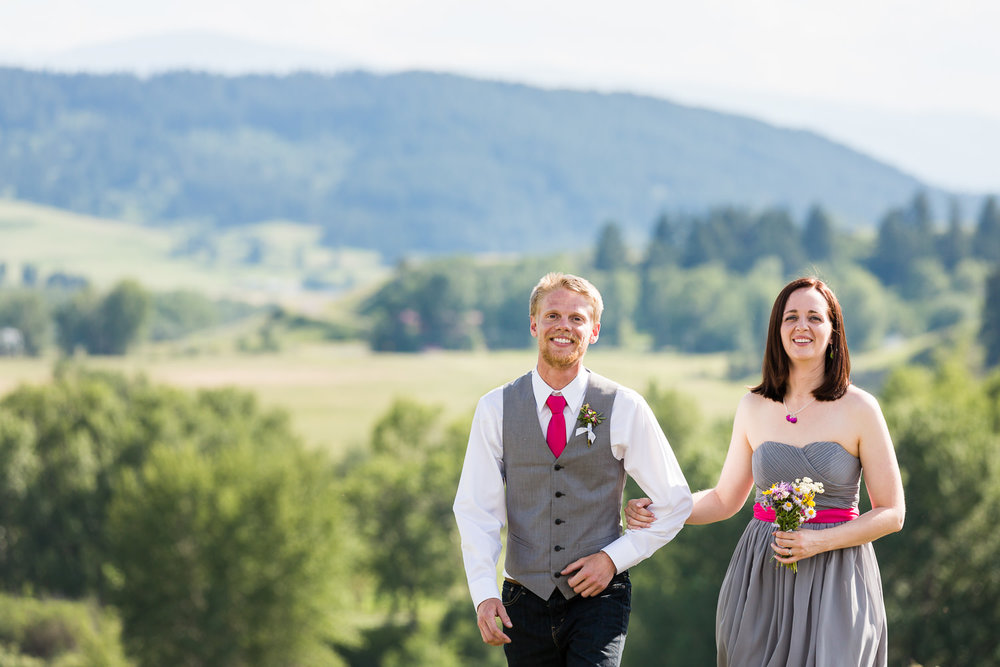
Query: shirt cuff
[622, 553]
[483, 590]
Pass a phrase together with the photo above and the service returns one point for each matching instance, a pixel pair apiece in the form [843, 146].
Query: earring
[831, 351]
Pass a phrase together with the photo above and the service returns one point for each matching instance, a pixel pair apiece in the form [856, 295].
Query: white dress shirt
[636, 440]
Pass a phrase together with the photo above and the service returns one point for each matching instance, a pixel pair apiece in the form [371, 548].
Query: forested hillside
[409, 163]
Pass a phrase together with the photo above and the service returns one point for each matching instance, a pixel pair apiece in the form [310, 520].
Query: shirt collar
[573, 392]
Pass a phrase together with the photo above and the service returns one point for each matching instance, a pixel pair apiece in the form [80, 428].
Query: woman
[804, 419]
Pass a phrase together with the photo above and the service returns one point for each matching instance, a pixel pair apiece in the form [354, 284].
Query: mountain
[415, 162]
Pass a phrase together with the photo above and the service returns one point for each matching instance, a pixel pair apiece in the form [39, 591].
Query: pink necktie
[556, 435]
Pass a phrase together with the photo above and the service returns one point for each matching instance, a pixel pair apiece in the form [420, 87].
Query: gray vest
[561, 509]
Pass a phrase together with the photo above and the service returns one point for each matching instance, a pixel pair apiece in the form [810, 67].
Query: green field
[335, 393]
[162, 258]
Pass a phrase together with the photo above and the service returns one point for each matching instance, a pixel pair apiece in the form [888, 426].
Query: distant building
[11, 342]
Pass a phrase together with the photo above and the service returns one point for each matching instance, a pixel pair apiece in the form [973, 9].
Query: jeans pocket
[511, 593]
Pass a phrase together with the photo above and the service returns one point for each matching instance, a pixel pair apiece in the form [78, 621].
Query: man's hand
[487, 613]
[593, 574]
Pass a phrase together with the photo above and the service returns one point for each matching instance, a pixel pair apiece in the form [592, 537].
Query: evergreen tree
[986, 242]
[662, 250]
[722, 236]
[700, 247]
[894, 249]
[773, 234]
[29, 275]
[621, 293]
[953, 245]
[919, 215]
[817, 236]
[990, 331]
[920, 219]
[661, 255]
[611, 254]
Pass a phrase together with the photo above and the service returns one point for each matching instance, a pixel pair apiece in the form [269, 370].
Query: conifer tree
[986, 243]
[919, 222]
[662, 250]
[893, 249]
[990, 332]
[611, 253]
[774, 235]
[953, 245]
[817, 236]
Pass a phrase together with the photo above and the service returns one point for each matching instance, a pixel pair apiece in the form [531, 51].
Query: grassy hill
[409, 163]
[276, 261]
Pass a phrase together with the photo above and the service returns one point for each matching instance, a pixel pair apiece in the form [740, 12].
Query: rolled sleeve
[639, 442]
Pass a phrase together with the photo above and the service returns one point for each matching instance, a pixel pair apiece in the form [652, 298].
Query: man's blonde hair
[553, 281]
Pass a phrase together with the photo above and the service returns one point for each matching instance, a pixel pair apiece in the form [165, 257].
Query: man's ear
[534, 328]
[596, 334]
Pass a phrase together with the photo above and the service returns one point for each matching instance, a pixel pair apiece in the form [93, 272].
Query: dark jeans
[573, 633]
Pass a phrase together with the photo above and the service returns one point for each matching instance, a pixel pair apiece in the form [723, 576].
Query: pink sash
[822, 516]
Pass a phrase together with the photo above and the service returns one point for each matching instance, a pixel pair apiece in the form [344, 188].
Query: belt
[619, 576]
[822, 516]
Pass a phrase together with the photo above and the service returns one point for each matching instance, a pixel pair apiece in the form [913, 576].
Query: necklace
[790, 417]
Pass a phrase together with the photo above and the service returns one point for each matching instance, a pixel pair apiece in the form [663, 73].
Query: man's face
[564, 327]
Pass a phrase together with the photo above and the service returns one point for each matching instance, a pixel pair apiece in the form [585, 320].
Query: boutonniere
[587, 420]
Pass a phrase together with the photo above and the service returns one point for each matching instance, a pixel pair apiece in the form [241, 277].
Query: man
[547, 456]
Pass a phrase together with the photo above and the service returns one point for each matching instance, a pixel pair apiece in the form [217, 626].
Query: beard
[562, 359]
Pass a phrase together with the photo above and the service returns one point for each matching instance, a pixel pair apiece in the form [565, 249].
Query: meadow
[264, 263]
[335, 393]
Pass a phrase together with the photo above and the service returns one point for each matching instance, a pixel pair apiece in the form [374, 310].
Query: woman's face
[806, 328]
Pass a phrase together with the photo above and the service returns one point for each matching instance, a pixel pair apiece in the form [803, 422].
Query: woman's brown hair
[774, 370]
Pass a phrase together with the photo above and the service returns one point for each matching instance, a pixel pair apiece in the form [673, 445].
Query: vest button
[559, 494]
[557, 467]
[558, 548]
[557, 574]
[559, 522]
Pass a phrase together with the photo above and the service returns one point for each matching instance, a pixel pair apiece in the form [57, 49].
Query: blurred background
[258, 262]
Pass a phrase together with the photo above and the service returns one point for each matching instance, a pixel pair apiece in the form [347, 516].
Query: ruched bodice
[824, 461]
[829, 614]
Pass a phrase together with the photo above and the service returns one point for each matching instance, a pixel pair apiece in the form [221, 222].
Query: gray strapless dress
[831, 613]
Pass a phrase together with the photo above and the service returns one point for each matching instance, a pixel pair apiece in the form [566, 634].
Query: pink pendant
[791, 419]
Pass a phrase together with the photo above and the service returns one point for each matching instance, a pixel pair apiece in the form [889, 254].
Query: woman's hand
[791, 547]
[637, 514]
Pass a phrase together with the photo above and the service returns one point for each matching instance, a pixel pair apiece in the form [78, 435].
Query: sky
[916, 85]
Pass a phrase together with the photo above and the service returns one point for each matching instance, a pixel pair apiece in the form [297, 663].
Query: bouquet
[793, 505]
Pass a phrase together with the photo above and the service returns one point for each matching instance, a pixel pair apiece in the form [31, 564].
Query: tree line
[705, 283]
[144, 525]
[683, 290]
[68, 313]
